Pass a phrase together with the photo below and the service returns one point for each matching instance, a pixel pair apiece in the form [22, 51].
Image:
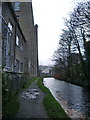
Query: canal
[74, 99]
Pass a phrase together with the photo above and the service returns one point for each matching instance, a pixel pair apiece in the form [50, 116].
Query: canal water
[74, 99]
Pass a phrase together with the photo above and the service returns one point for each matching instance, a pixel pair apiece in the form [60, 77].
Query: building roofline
[32, 12]
[17, 22]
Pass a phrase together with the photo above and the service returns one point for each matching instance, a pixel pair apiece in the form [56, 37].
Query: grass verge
[11, 107]
[53, 108]
[27, 84]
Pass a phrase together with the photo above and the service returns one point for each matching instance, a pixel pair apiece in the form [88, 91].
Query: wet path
[31, 106]
[74, 99]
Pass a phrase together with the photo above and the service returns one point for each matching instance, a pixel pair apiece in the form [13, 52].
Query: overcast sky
[49, 15]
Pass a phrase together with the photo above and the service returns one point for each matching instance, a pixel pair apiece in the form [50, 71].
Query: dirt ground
[32, 108]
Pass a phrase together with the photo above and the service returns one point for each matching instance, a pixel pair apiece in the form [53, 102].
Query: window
[17, 6]
[9, 46]
[10, 26]
[17, 40]
[21, 47]
[17, 65]
[21, 67]
[10, 29]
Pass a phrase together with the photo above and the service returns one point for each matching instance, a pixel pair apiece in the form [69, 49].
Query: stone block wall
[13, 81]
[26, 21]
[15, 52]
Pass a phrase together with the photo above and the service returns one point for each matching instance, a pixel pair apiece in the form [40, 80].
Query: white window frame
[10, 27]
[17, 40]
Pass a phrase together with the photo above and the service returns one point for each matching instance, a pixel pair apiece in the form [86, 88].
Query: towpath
[31, 107]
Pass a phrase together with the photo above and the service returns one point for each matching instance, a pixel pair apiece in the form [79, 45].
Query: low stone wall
[13, 81]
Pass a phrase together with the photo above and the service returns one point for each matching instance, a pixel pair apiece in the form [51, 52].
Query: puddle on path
[30, 94]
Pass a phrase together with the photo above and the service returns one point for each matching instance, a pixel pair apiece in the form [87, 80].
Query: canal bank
[74, 100]
[53, 108]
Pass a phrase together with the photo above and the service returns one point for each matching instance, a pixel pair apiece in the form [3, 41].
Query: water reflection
[77, 97]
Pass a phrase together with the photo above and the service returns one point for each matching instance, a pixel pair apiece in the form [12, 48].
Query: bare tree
[75, 39]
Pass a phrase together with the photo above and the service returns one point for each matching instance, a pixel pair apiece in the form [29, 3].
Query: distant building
[45, 70]
[19, 38]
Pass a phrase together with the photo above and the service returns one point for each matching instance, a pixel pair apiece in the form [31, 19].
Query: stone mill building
[19, 38]
[19, 43]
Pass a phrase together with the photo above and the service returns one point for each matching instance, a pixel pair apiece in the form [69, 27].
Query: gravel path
[31, 108]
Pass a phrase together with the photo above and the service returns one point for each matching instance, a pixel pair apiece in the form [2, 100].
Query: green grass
[27, 84]
[41, 86]
[53, 108]
[11, 106]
